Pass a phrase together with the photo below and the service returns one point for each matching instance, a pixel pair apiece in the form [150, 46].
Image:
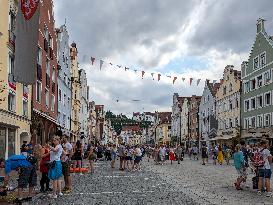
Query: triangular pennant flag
[183, 79]
[174, 79]
[126, 68]
[158, 77]
[135, 71]
[93, 60]
[152, 74]
[111, 63]
[198, 81]
[168, 76]
[143, 72]
[191, 80]
[101, 62]
[214, 81]
[119, 66]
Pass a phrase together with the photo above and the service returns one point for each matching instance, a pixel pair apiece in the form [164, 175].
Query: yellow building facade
[76, 87]
[228, 106]
[15, 98]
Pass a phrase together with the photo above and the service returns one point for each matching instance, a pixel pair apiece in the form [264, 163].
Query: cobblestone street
[187, 183]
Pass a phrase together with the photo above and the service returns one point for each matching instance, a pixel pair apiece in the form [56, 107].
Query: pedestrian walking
[113, 155]
[179, 153]
[171, 155]
[214, 154]
[156, 154]
[77, 154]
[220, 156]
[121, 153]
[138, 157]
[55, 170]
[227, 155]
[265, 169]
[129, 158]
[92, 157]
[239, 164]
[195, 152]
[204, 154]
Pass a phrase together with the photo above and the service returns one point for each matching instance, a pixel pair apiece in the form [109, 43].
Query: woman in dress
[78, 151]
[92, 157]
[55, 170]
[113, 155]
[44, 168]
[220, 155]
[171, 155]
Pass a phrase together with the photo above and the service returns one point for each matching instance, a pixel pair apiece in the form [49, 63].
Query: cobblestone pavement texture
[187, 183]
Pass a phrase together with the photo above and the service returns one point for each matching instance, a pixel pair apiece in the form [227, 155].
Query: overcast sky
[180, 38]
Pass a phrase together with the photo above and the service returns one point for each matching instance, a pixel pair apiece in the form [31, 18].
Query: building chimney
[260, 25]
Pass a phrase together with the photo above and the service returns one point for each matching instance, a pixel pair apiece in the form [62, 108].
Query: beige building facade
[76, 97]
[15, 98]
[228, 106]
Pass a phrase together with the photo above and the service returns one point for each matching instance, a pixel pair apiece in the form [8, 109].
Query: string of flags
[159, 75]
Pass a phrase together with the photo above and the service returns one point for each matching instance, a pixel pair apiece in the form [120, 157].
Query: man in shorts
[265, 170]
[27, 173]
[121, 154]
[66, 162]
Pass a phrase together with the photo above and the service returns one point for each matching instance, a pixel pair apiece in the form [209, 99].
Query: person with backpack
[239, 164]
[264, 159]
[204, 153]
[26, 167]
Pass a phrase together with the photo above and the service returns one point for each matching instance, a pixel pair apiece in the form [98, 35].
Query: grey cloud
[103, 28]
[230, 25]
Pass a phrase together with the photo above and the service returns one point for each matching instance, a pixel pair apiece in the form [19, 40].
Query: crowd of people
[55, 159]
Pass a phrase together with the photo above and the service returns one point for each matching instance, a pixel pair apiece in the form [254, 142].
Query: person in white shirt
[55, 170]
[138, 158]
[66, 163]
[265, 171]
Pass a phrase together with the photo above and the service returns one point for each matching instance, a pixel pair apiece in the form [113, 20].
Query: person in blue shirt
[26, 169]
[239, 163]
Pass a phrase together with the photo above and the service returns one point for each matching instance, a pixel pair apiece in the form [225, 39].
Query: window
[260, 81]
[246, 87]
[230, 87]
[64, 99]
[237, 102]
[263, 59]
[75, 94]
[47, 98]
[253, 122]
[230, 123]
[267, 76]
[246, 105]
[48, 67]
[259, 121]
[267, 99]
[236, 121]
[253, 103]
[25, 108]
[65, 79]
[11, 64]
[52, 103]
[256, 63]
[11, 101]
[39, 57]
[224, 90]
[246, 123]
[46, 34]
[38, 91]
[267, 120]
[259, 101]
[11, 21]
[60, 95]
[230, 105]
[253, 84]
[64, 120]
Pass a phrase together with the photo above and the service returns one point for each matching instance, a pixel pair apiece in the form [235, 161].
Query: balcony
[39, 72]
[46, 45]
[47, 81]
[11, 39]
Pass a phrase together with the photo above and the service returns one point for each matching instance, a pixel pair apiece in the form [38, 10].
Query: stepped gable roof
[181, 100]
[165, 117]
[237, 74]
[213, 87]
